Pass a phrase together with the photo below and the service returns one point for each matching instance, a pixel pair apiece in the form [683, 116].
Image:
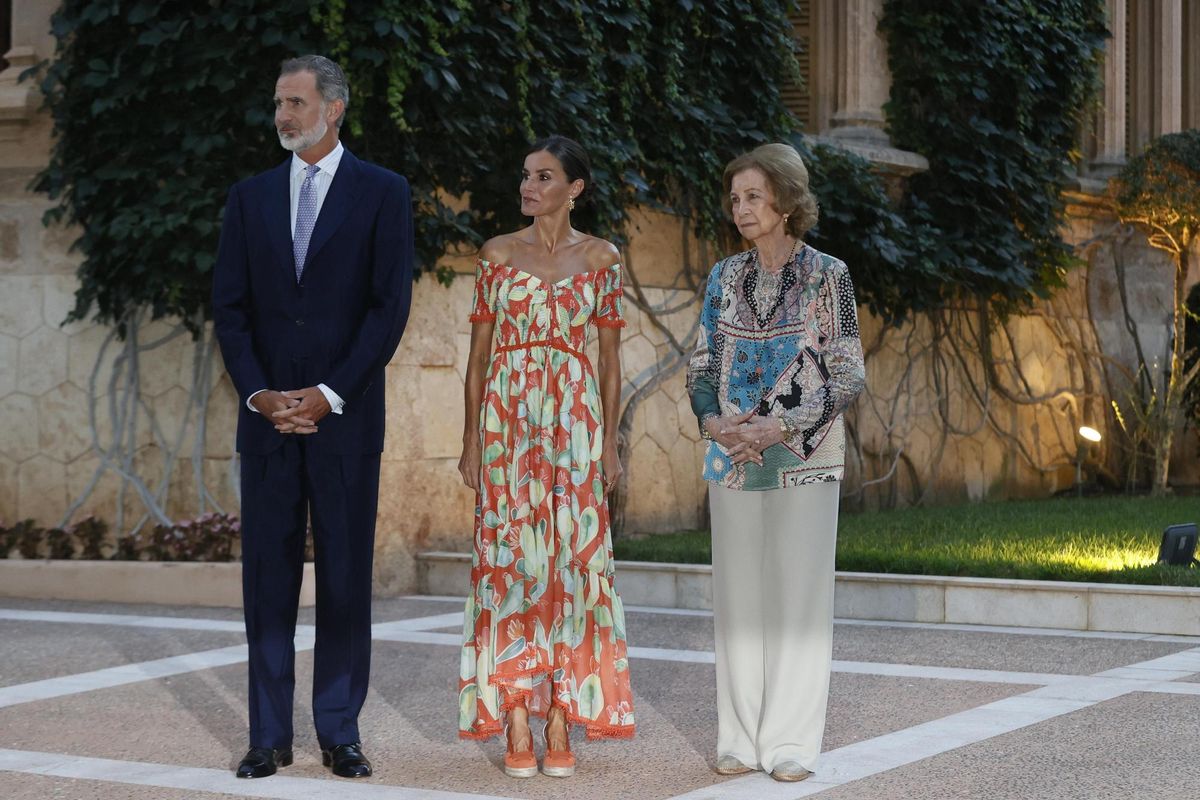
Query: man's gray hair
[331, 81]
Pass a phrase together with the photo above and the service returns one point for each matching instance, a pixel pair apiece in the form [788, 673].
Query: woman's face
[752, 205]
[544, 185]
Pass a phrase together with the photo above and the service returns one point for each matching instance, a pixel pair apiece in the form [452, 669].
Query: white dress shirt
[327, 168]
[321, 181]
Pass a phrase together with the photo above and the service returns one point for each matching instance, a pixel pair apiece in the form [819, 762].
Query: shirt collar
[328, 164]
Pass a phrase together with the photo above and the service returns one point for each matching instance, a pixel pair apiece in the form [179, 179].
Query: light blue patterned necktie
[306, 218]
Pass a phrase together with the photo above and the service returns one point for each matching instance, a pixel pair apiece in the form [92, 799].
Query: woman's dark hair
[571, 155]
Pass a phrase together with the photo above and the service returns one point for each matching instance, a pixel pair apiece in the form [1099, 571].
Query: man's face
[301, 115]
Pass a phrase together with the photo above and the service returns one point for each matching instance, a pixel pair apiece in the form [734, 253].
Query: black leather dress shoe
[347, 760]
[259, 762]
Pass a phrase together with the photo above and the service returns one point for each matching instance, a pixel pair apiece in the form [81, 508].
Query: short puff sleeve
[483, 308]
[609, 296]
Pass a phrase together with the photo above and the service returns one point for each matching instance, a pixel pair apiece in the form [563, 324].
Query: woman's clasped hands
[744, 437]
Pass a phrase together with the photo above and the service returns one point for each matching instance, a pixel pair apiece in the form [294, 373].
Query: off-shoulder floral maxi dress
[543, 623]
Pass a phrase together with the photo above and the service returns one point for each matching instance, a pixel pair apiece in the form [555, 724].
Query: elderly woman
[777, 362]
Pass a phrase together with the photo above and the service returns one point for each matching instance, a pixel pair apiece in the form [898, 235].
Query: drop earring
[571, 203]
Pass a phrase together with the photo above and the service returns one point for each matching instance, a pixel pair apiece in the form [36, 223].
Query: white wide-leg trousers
[773, 563]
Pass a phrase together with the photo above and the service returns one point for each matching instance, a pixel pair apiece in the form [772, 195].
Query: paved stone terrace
[148, 702]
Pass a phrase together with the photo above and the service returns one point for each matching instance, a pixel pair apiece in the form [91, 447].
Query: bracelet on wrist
[704, 434]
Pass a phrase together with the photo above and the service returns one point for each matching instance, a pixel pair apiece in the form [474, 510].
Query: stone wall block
[62, 423]
[421, 501]
[655, 248]
[185, 364]
[8, 490]
[689, 428]
[149, 465]
[437, 313]
[55, 243]
[687, 464]
[221, 476]
[20, 232]
[83, 348]
[58, 301]
[101, 503]
[653, 505]
[42, 490]
[184, 501]
[676, 386]
[159, 368]
[9, 352]
[637, 358]
[633, 319]
[20, 304]
[42, 361]
[10, 241]
[682, 323]
[220, 430]
[438, 413]
[405, 429]
[170, 409]
[652, 333]
[637, 428]
[463, 343]
[662, 420]
[19, 427]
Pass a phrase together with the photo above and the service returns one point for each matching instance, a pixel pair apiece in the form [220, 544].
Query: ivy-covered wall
[661, 117]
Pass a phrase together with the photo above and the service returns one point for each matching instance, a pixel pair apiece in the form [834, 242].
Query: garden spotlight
[1178, 545]
[1088, 434]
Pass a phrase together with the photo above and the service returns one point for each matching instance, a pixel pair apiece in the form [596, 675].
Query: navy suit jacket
[340, 324]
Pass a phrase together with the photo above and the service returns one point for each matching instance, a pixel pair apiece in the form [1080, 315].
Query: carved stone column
[855, 69]
[20, 101]
[1166, 102]
[1110, 122]
[862, 79]
[1191, 65]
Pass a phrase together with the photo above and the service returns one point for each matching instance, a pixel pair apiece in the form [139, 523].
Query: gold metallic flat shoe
[729, 765]
[789, 772]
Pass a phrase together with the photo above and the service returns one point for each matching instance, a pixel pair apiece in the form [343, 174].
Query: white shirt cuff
[335, 403]
[251, 397]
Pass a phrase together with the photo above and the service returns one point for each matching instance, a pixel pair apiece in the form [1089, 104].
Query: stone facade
[50, 376]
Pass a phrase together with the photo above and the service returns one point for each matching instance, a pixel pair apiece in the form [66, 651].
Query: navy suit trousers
[281, 492]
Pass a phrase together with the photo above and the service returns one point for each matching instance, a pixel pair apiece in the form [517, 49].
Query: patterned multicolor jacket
[805, 364]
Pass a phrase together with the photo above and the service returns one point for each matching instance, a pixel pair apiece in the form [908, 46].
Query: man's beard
[299, 142]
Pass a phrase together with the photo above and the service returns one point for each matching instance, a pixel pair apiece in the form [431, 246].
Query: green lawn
[1107, 539]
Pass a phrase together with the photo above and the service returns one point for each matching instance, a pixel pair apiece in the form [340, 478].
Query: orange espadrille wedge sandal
[557, 763]
[521, 764]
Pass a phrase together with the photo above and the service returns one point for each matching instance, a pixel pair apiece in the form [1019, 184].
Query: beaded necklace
[765, 292]
[768, 288]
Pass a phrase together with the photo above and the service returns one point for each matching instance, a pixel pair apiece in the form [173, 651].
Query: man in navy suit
[311, 292]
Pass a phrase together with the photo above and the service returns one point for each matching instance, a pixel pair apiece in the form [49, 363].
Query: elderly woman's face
[752, 205]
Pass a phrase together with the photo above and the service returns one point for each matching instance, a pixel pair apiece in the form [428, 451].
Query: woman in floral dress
[544, 632]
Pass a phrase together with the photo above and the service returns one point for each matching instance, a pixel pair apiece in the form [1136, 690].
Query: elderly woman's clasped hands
[743, 437]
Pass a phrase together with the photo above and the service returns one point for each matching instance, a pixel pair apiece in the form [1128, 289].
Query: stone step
[1172, 610]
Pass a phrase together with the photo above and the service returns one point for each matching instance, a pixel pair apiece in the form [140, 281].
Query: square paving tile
[35, 651]
[16, 786]
[1069, 655]
[1135, 747]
